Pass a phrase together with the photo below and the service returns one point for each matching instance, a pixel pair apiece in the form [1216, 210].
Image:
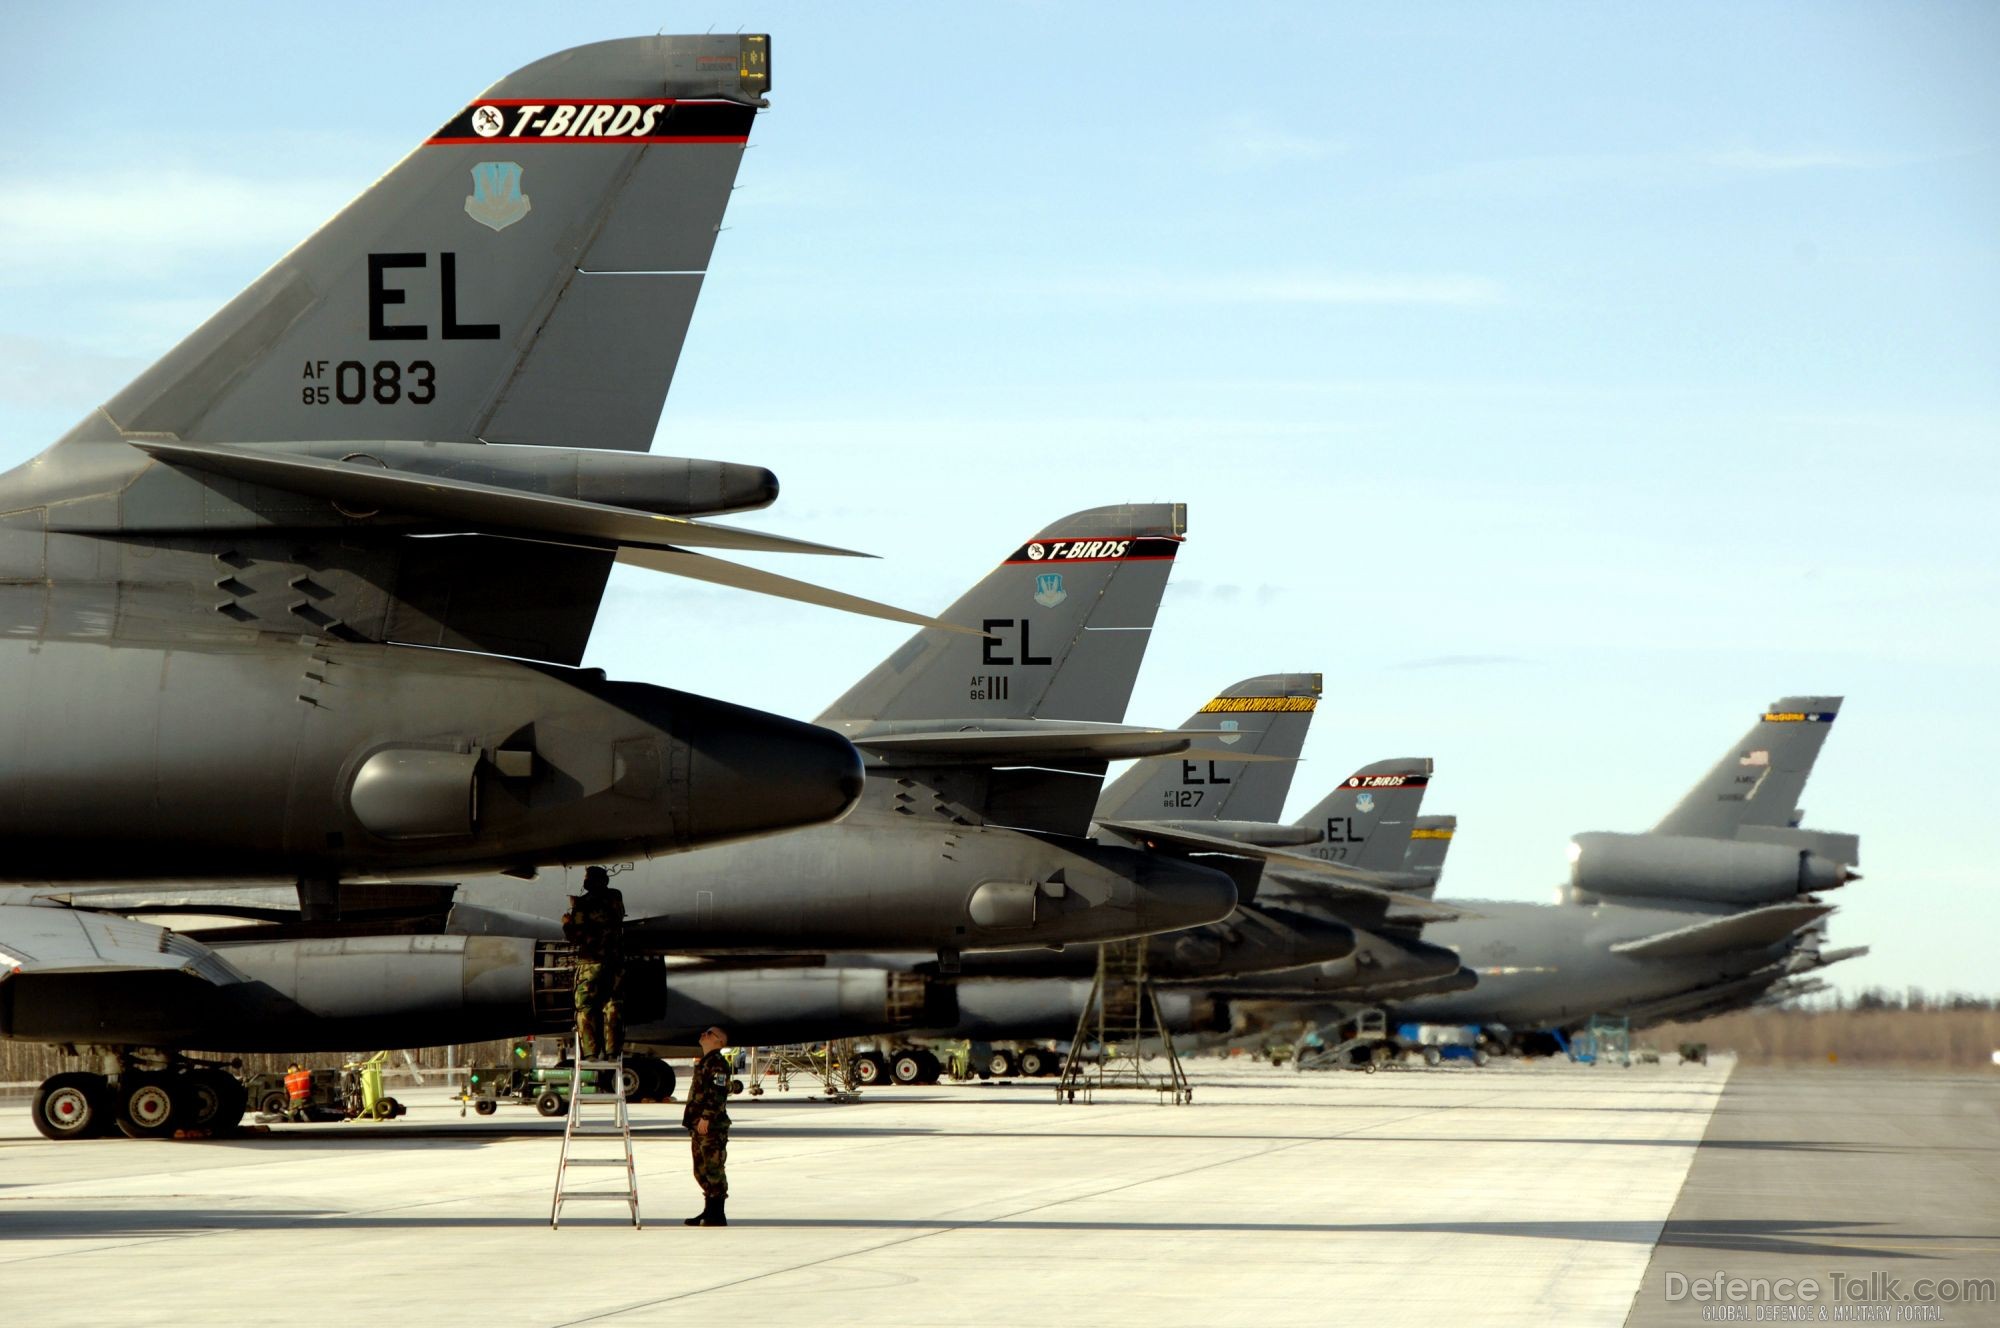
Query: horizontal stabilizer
[1061, 741]
[468, 505]
[41, 939]
[699, 567]
[1328, 881]
[1735, 931]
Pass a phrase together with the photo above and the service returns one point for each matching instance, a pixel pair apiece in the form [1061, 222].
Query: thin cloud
[1246, 142]
[120, 224]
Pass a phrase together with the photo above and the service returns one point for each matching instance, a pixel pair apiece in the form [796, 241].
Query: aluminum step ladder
[585, 1126]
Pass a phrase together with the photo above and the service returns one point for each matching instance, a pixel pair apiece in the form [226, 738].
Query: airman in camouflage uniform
[595, 925]
[706, 1117]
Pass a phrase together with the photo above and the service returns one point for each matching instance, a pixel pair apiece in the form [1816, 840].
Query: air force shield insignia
[1365, 803]
[1230, 736]
[496, 199]
[1049, 590]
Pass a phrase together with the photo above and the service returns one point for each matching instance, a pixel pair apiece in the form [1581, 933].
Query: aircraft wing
[1053, 742]
[40, 939]
[1328, 882]
[1734, 931]
[642, 539]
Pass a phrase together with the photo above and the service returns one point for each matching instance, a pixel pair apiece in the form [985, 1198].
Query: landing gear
[656, 1078]
[73, 1106]
[1039, 1062]
[868, 1069]
[1003, 1065]
[216, 1099]
[915, 1066]
[150, 1103]
[143, 1093]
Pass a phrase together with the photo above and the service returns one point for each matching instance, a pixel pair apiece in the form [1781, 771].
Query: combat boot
[700, 1219]
[713, 1216]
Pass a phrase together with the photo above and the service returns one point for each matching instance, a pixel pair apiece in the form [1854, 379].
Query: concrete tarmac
[1875, 1185]
[1507, 1195]
[1527, 1195]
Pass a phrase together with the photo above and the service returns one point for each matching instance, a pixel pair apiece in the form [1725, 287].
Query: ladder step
[597, 1097]
[597, 1131]
[597, 1162]
[568, 1196]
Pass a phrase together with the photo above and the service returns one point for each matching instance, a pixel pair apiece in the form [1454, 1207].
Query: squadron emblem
[1049, 590]
[496, 199]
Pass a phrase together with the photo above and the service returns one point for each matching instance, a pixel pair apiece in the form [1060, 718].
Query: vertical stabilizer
[1266, 717]
[1067, 616]
[1366, 822]
[1760, 779]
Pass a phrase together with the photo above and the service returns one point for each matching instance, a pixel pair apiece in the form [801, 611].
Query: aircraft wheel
[486, 1106]
[907, 1067]
[1481, 1056]
[1432, 1056]
[72, 1106]
[633, 1080]
[550, 1103]
[216, 1099]
[1037, 1062]
[869, 1069]
[655, 1078]
[274, 1103]
[931, 1069]
[150, 1105]
[1003, 1065]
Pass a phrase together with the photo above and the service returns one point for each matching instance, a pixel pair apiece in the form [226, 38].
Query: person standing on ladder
[595, 925]
[706, 1117]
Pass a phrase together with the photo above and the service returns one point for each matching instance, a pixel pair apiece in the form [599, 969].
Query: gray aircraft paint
[1266, 716]
[1423, 857]
[207, 586]
[1760, 779]
[1365, 822]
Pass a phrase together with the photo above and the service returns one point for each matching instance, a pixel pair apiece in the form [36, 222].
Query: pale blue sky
[1564, 381]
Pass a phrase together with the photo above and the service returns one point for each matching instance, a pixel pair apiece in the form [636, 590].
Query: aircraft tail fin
[1366, 821]
[1065, 618]
[1266, 717]
[1759, 780]
[1423, 859]
[526, 275]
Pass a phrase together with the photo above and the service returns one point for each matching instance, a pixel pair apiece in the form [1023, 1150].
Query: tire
[486, 1106]
[215, 1100]
[932, 1069]
[1481, 1057]
[907, 1068]
[72, 1106]
[633, 1080]
[1432, 1056]
[655, 1079]
[869, 1069]
[389, 1108]
[1038, 1062]
[550, 1103]
[150, 1105]
[1371, 1066]
[273, 1103]
[1003, 1065]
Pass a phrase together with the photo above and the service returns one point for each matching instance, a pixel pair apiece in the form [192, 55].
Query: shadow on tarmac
[1792, 1237]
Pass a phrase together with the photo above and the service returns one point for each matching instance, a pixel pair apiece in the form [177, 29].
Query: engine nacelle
[1716, 871]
